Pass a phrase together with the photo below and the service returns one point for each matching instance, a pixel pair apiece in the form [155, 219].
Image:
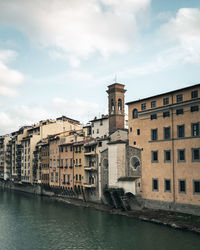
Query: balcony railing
[89, 185]
[90, 168]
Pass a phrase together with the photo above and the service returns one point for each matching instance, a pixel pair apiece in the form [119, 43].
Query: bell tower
[116, 106]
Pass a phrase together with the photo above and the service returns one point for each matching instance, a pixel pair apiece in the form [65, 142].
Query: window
[154, 156]
[71, 148]
[196, 186]
[167, 155]
[76, 177]
[97, 131]
[79, 177]
[71, 162]
[61, 148]
[135, 114]
[179, 98]
[155, 184]
[165, 100]
[68, 179]
[166, 114]
[56, 176]
[65, 148]
[167, 185]
[66, 162]
[101, 122]
[194, 108]
[182, 186]
[119, 106]
[194, 94]
[138, 131]
[51, 177]
[181, 154]
[154, 134]
[143, 106]
[181, 130]
[195, 154]
[195, 129]
[80, 161]
[130, 129]
[154, 117]
[112, 106]
[153, 104]
[167, 133]
[179, 111]
[58, 163]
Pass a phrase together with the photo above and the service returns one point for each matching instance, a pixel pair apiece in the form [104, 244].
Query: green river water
[34, 222]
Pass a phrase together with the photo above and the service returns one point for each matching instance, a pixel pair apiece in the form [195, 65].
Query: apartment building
[100, 127]
[5, 157]
[166, 128]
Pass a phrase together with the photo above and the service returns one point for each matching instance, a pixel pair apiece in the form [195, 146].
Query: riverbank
[167, 218]
[175, 220]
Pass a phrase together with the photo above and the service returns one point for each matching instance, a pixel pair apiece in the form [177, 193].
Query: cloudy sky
[57, 57]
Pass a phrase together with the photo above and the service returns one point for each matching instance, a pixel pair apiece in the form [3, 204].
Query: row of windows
[179, 98]
[181, 155]
[166, 113]
[181, 185]
[180, 132]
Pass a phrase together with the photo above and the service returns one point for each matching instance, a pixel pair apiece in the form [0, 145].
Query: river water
[34, 222]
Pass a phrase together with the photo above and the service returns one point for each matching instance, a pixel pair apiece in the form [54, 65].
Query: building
[100, 127]
[166, 128]
[5, 157]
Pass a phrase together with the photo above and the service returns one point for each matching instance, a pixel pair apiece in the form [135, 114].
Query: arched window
[135, 113]
[120, 106]
[112, 106]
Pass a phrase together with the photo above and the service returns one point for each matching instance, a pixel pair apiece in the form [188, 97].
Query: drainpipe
[173, 167]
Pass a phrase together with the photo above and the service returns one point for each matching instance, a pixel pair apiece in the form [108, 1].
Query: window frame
[178, 130]
[164, 133]
[165, 185]
[165, 100]
[195, 160]
[194, 94]
[165, 158]
[153, 104]
[178, 152]
[179, 97]
[192, 129]
[143, 106]
[157, 181]
[179, 186]
[152, 133]
[196, 193]
[152, 156]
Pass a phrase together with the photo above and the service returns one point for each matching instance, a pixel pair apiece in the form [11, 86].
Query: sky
[57, 57]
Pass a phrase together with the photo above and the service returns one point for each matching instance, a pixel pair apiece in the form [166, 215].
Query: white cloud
[17, 116]
[74, 29]
[77, 109]
[181, 38]
[184, 29]
[9, 78]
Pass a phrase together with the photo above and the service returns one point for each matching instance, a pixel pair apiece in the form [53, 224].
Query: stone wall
[170, 206]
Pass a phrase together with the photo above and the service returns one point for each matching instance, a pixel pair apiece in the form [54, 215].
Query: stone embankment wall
[170, 206]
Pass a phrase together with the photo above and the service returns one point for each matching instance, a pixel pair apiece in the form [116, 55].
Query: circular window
[105, 163]
[135, 163]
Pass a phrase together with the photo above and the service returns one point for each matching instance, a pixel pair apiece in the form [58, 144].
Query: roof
[166, 93]
[98, 119]
[118, 142]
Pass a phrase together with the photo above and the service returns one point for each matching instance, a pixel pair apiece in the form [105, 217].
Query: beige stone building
[166, 128]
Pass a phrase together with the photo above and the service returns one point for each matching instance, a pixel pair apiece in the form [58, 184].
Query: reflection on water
[33, 222]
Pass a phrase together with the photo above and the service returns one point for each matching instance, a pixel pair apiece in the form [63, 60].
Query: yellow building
[166, 128]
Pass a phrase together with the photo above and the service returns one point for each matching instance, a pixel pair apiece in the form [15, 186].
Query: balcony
[89, 185]
[90, 168]
[87, 152]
